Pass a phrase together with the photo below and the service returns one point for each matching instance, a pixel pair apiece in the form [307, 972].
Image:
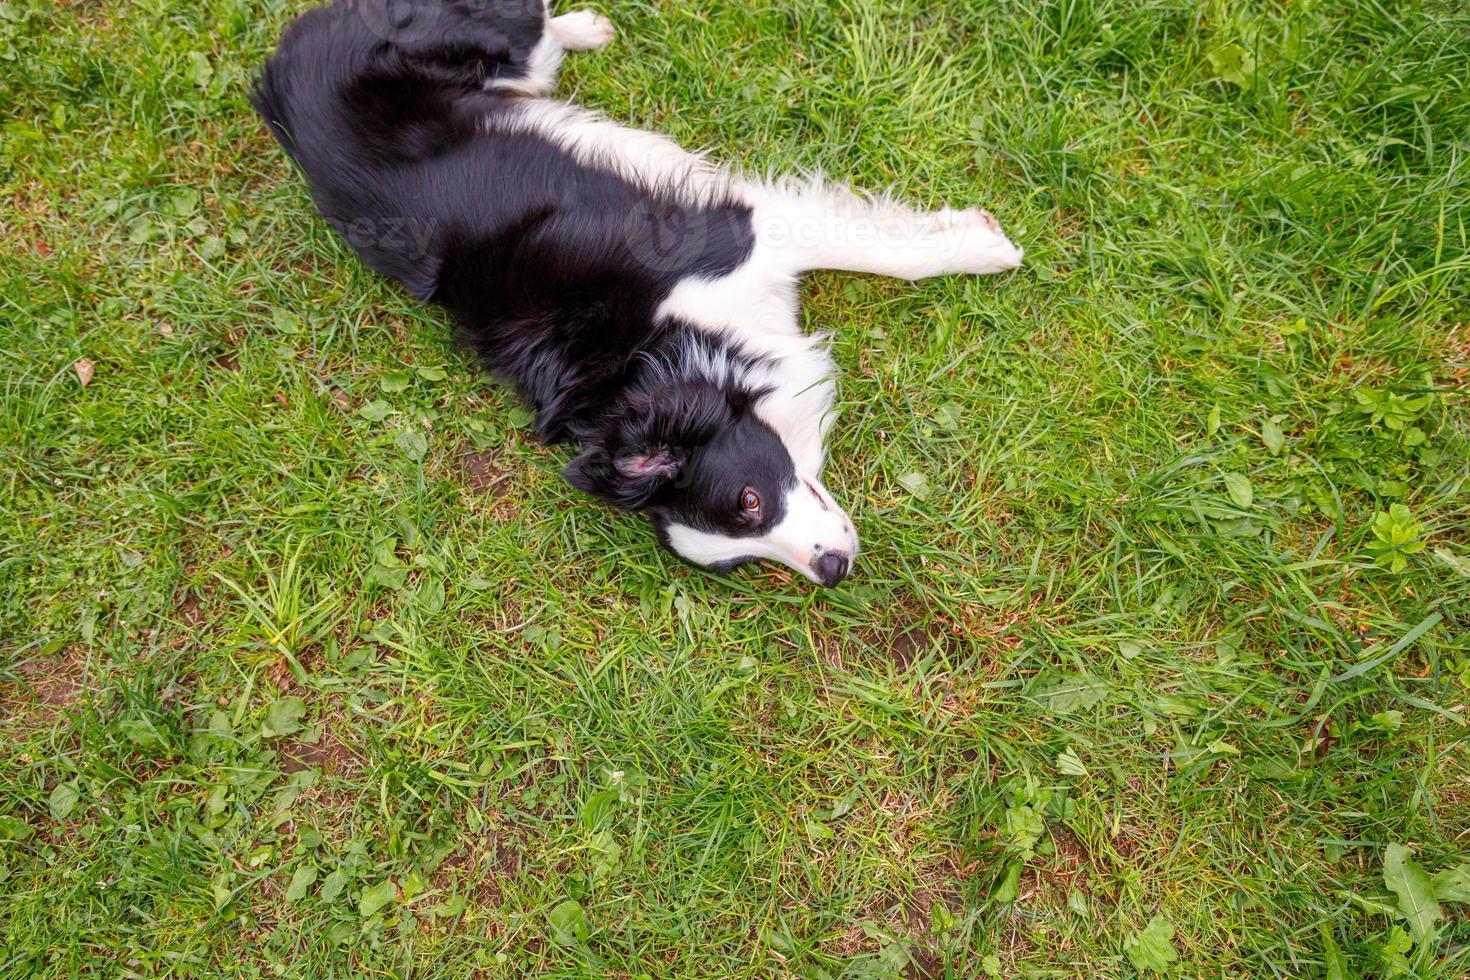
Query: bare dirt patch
[1069, 868]
[190, 611]
[329, 755]
[924, 963]
[913, 637]
[484, 471]
[488, 479]
[903, 644]
[908, 911]
[228, 348]
[479, 867]
[48, 686]
[927, 958]
[908, 643]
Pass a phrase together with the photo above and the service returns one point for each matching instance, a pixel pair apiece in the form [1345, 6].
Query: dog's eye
[750, 501]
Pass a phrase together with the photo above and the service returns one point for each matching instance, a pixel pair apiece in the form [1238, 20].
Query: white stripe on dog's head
[812, 535]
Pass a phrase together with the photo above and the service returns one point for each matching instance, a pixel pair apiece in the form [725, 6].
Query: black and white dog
[643, 301]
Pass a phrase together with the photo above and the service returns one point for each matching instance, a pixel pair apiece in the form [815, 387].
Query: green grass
[1138, 635]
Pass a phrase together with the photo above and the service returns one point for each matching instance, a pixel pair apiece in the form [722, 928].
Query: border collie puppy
[642, 300]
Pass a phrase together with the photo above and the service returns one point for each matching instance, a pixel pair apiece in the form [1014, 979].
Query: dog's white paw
[980, 246]
[583, 30]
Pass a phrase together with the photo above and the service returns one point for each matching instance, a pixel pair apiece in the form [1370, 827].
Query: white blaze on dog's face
[800, 526]
[735, 496]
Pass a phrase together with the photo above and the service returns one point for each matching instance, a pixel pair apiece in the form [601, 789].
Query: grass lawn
[1156, 658]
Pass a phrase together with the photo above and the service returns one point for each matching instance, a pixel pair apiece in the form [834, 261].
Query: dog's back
[382, 117]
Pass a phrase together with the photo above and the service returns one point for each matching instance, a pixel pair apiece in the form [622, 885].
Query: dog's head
[719, 485]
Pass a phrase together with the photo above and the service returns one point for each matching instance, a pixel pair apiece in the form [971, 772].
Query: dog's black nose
[832, 568]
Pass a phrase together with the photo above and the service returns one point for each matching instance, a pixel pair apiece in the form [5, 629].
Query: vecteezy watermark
[663, 236]
[407, 236]
[400, 21]
[836, 232]
[409, 21]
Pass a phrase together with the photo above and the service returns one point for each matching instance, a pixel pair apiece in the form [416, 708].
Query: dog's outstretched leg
[812, 226]
[580, 30]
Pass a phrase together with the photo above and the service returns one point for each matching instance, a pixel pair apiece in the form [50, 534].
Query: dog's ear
[626, 478]
[647, 443]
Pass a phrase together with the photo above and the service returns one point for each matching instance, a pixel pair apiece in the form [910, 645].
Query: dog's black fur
[535, 254]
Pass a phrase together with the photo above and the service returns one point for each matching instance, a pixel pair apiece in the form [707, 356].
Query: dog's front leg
[817, 227]
[580, 30]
